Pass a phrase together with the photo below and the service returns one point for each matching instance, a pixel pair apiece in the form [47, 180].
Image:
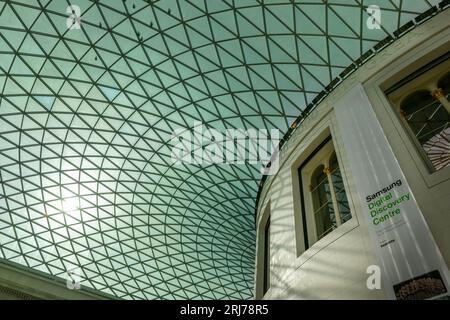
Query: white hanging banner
[411, 263]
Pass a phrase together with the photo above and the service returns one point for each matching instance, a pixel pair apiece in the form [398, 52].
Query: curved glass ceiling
[86, 116]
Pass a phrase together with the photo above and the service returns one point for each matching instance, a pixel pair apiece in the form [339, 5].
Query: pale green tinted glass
[86, 117]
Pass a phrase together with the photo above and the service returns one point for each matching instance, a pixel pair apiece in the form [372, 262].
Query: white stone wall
[335, 266]
[18, 283]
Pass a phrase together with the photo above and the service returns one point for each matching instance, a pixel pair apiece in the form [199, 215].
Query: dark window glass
[444, 84]
[429, 122]
[339, 190]
[266, 257]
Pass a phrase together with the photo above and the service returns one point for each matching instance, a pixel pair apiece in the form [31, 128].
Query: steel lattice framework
[86, 116]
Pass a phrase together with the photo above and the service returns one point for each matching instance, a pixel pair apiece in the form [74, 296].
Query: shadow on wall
[336, 271]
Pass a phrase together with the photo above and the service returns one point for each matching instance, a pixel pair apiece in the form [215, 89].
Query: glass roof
[86, 116]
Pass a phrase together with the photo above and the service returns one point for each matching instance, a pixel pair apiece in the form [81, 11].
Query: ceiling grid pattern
[86, 118]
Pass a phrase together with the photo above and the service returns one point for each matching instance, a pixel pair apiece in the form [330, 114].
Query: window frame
[422, 79]
[323, 152]
[266, 265]
[379, 85]
[262, 259]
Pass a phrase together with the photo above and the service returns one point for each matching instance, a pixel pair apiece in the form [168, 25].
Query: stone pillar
[438, 94]
[329, 171]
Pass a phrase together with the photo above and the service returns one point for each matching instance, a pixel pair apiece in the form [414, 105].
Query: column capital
[437, 93]
[328, 171]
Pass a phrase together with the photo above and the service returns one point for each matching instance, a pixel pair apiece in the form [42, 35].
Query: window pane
[267, 257]
[339, 189]
[322, 202]
[430, 122]
[444, 84]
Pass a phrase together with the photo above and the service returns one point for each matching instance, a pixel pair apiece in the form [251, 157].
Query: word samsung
[235, 146]
[397, 183]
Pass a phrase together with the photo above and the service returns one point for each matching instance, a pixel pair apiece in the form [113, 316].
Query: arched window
[322, 202]
[437, 147]
[425, 115]
[426, 111]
